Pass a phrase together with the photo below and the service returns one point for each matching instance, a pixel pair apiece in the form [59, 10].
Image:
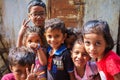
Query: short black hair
[36, 3]
[21, 56]
[55, 23]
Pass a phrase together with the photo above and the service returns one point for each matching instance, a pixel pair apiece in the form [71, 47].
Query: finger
[32, 68]
[27, 71]
[26, 22]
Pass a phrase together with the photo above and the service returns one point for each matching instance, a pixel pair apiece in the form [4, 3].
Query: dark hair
[99, 27]
[55, 23]
[36, 3]
[71, 31]
[22, 56]
[37, 30]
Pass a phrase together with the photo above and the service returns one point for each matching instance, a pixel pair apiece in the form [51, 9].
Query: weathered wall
[106, 10]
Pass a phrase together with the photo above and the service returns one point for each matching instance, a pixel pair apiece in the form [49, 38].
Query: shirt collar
[59, 51]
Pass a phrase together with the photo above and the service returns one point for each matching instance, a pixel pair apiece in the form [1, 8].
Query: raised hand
[31, 75]
[24, 26]
[21, 32]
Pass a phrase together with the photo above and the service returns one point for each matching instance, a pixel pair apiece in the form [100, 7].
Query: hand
[31, 75]
[24, 26]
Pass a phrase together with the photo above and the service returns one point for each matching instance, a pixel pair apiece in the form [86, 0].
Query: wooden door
[70, 11]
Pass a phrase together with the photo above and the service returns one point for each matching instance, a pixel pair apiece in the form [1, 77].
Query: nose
[92, 48]
[23, 76]
[39, 16]
[52, 39]
[79, 55]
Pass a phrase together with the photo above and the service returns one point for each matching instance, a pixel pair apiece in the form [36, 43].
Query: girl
[99, 43]
[60, 66]
[84, 69]
[33, 39]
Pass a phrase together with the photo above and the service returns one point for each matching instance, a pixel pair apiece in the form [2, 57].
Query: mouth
[78, 61]
[92, 55]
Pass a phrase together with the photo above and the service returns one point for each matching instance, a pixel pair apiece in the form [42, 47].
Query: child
[37, 14]
[20, 60]
[33, 40]
[60, 66]
[84, 69]
[99, 43]
[71, 37]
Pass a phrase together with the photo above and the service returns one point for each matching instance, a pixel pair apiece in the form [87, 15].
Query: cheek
[86, 48]
[17, 77]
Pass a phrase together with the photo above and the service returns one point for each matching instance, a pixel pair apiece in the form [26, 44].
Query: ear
[29, 15]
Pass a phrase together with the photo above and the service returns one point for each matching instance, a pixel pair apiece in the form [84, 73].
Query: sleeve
[8, 77]
[113, 66]
[68, 62]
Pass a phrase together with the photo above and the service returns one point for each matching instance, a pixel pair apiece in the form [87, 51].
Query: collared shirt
[60, 64]
[90, 70]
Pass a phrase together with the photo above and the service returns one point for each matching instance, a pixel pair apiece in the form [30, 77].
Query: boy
[20, 62]
[37, 15]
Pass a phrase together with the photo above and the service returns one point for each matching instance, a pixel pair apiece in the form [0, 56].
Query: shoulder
[112, 57]
[9, 76]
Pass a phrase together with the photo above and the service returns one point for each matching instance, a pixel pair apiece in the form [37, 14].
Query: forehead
[94, 37]
[55, 30]
[19, 67]
[37, 9]
[33, 35]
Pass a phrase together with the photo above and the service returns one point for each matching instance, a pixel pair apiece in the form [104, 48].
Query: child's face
[95, 45]
[69, 41]
[37, 15]
[19, 72]
[32, 41]
[54, 37]
[79, 56]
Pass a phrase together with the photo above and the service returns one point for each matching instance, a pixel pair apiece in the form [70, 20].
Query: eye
[76, 52]
[84, 54]
[87, 43]
[37, 41]
[18, 72]
[56, 36]
[98, 43]
[29, 41]
[49, 36]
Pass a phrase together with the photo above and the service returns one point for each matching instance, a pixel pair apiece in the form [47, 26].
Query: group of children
[50, 51]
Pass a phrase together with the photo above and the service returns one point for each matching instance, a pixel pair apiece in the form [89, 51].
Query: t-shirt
[109, 66]
[60, 64]
[90, 71]
[9, 76]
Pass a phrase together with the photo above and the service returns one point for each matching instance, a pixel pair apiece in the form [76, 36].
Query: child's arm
[21, 33]
[42, 56]
[117, 76]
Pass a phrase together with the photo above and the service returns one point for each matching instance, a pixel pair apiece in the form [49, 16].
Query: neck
[80, 71]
